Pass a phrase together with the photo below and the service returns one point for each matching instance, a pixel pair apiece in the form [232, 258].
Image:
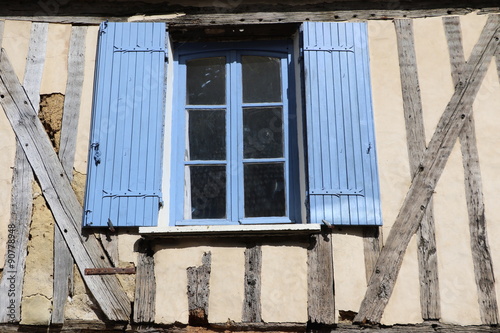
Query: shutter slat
[127, 126]
[339, 124]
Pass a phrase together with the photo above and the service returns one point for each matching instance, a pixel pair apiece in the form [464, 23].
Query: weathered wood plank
[72, 99]
[60, 196]
[415, 137]
[481, 256]
[497, 57]
[253, 268]
[63, 277]
[321, 291]
[198, 290]
[286, 16]
[11, 284]
[372, 243]
[110, 245]
[22, 197]
[145, 285]
[63, 261]
[424, 182]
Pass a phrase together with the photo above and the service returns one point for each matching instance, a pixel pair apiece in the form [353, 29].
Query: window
[236, 159]
[237, 126]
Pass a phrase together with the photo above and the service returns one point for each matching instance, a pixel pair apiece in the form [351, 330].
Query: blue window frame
[235, 159]
[234, 134]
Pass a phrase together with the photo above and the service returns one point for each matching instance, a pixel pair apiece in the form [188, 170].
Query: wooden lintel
[109, 270]
[59, 194]
[424, 182]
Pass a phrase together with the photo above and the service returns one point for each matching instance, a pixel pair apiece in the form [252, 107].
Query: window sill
[232, 230]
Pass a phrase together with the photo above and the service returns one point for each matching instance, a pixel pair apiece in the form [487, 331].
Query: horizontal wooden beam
[221, 17]
[59, 194]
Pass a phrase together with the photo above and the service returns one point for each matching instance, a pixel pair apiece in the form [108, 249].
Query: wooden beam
[22, 196]
[321, 291]
[60, 196]
[251, 17]
[497, 58]
[372, 243]
[63, 261]
[415, 137]
[198, 291]
[424, 182]
[481, 256]
[145, 285]
[253, 268]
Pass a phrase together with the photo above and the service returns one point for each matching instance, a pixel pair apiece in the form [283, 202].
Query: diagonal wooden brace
[61, 198]
[424, 182]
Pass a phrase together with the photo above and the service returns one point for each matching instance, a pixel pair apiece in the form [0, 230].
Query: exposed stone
[50, 114]
[80, 305]
[127, 280]
[78, 185]
[35, 310]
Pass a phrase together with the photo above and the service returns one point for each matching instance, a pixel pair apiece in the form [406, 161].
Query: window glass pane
[206, 135]
[261, 79]
[206, 81]
[262, 132]
[264, 190]
[206, 192]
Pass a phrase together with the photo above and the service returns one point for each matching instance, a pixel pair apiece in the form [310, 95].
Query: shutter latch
[97, 153]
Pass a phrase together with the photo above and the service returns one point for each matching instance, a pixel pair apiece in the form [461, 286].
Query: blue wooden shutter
[343, 183]
[125, 157]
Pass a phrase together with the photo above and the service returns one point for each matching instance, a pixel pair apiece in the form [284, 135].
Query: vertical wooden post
[145, 285]
[424, 182]
[481, 257]
[198, 291]
[63, 261]
[253, 268]
[372, 243]
[321, 292]
[11, 285]
[415, 136]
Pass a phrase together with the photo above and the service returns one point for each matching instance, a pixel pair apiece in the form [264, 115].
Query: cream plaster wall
[456, 276]
[284, 284]
[349, 270]
[81, 153]
[284, 268]
[226, 282]
[15, 42]
[55, 70]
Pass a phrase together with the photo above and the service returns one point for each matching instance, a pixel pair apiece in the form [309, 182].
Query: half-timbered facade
[240, 165]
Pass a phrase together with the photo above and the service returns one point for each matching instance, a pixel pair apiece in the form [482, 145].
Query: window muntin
[236, 152]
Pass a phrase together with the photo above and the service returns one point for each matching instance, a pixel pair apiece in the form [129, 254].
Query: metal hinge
[327, 48]
[337, 192]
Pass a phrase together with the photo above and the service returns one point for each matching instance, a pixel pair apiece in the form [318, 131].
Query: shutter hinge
[138, 194]
[337, 192]
[328, 48]
[137, 49]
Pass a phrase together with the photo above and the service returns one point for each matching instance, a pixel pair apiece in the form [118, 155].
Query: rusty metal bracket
[109, 270]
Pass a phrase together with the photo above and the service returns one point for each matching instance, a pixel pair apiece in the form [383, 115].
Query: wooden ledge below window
[232, 230]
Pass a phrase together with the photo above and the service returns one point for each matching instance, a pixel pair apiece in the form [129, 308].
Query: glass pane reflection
[207, 135]
[208, 191]
[264, 190]
[262, 132]
[261, 79]
[206, 81]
